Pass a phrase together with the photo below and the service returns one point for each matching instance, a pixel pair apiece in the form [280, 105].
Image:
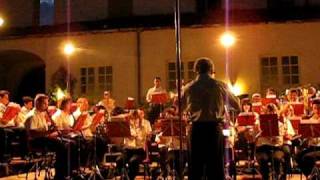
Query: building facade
[265, 55]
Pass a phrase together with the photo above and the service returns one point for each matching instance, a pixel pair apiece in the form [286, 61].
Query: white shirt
[62, 120]
[38, 120]
[154, 90]
[22, 116]
[138, 133]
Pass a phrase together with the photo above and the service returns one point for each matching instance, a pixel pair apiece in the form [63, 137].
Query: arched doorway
[22, 73]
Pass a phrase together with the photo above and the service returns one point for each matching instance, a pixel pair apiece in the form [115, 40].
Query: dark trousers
[154, 112]
[207, 151]
[133, 157]
[273, 155]
[172, 159]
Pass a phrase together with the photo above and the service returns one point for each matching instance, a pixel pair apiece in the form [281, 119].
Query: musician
[4, 101]
[91, 141]
[256, 103]
[134, 152]
[272, 149]
[27, 107]
[205, 99]
[246, 134]
[43, 137]
[155, 109]
[307, 158]
[107, 102]
[63, 118]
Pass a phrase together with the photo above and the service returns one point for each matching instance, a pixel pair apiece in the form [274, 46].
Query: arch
[22, 73]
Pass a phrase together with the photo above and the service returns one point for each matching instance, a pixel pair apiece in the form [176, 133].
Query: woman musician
[272, 149]
[247, 127]
[134, 146]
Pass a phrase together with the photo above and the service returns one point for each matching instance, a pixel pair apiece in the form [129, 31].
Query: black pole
[178, 67]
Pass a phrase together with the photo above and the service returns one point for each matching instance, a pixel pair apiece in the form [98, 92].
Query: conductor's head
[204, 66]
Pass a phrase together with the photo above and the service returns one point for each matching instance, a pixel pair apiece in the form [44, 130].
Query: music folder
[298, 109]
[309, 128]
[12, 111]
[98, 118]
[295, 122]
[269, 125]
[80, 122]
[159, 98]
[246, 120]
[269, 100]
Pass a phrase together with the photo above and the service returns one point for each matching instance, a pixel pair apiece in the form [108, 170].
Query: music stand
[266, 101]
[309, 128]
[118, 129]
[246, 120]
[298, 109]
[269, 125]
[170, 127]
[159, 98]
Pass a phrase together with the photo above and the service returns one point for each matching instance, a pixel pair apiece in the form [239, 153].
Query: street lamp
[227, 39]
[68, 50]
[1, 21]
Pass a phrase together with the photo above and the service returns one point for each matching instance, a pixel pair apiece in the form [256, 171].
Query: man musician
[205, 98]
[42, 136]
[155, 107]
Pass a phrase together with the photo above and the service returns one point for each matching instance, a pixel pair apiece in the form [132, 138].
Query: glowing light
[235, 89]
[69, 49]
[1, 21]
[60, 94]
[227, 39]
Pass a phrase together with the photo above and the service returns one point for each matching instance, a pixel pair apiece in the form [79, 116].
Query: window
[46, 12]
[290, 70]
[87, 80]
[191, 73]
[269, 72]
[172, 76]
[105, 78]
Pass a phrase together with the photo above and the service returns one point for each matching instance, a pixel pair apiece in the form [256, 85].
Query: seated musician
[311, 153]
[27, 107]
[99, 143]
[134, 152]
[107, 102]
[271, 149]
[256, 103]
[63, 118]
[42, 136]
[169, 147]
[9, 132]
[272, 94]
[246, 134]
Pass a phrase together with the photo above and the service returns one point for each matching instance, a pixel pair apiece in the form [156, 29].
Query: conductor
[204, 98]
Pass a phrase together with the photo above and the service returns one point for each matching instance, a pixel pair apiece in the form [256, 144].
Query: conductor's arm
[230, 99]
